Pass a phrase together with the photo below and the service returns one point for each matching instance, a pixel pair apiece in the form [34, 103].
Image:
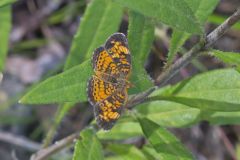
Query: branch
[19, 141]
[170, 71]
[227, 143]
[220, 30]
[47, 152]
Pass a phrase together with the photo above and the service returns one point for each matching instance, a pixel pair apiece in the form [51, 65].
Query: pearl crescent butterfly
[107, 88]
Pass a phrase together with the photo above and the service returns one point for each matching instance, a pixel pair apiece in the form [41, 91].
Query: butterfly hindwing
[99, 90]
[108, 111]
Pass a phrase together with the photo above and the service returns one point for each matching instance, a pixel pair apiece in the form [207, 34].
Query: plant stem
[220, 30]
[171, 70]
[19, 141]
[47, 152]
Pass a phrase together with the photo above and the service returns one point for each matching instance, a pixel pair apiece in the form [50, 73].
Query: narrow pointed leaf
[88, 147]
[223, 118]
[202, 9]
[177, 14]
[219, 19]
[177, 40]
[3, 3]
[169, 114]
[126, 152]
[122, 130]
[59, 115]
[150, 152]
[100, 20]
[140, 38]
[114, 158]
[217, 90]
[164, 142]
[69, 86]
[227, 57]
[5, 27]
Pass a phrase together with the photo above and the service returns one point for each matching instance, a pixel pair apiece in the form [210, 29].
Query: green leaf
[140, 38]
[151, 153]
[193, 4]
[5, 27]
[203, 104]
[3, 3]
[126, 152]
[114, 158]
[169, 114]
[59, 115]
[101, 19]
[219, 19]
[208, 91]
[164, 143]
[222, 118]
[227, 57]
[69, 86]
[122, 130]
[166, 11]
[88, 147]
[202, 9]
[177, 40]
[238, 150]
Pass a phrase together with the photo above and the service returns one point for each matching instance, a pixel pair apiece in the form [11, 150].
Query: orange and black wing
[117, 48]
[108, 111]
[98, 90]
[103, 63]
[111, 63]
[106, 100]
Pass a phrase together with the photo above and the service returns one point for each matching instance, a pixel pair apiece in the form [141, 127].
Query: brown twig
[170, 71]
[19, 141]
[227, 143]
[46, 152]
[220, 30]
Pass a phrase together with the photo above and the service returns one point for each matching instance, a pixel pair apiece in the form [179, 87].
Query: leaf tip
[23, 100]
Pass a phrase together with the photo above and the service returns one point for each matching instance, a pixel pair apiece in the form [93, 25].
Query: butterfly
[107, 88]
